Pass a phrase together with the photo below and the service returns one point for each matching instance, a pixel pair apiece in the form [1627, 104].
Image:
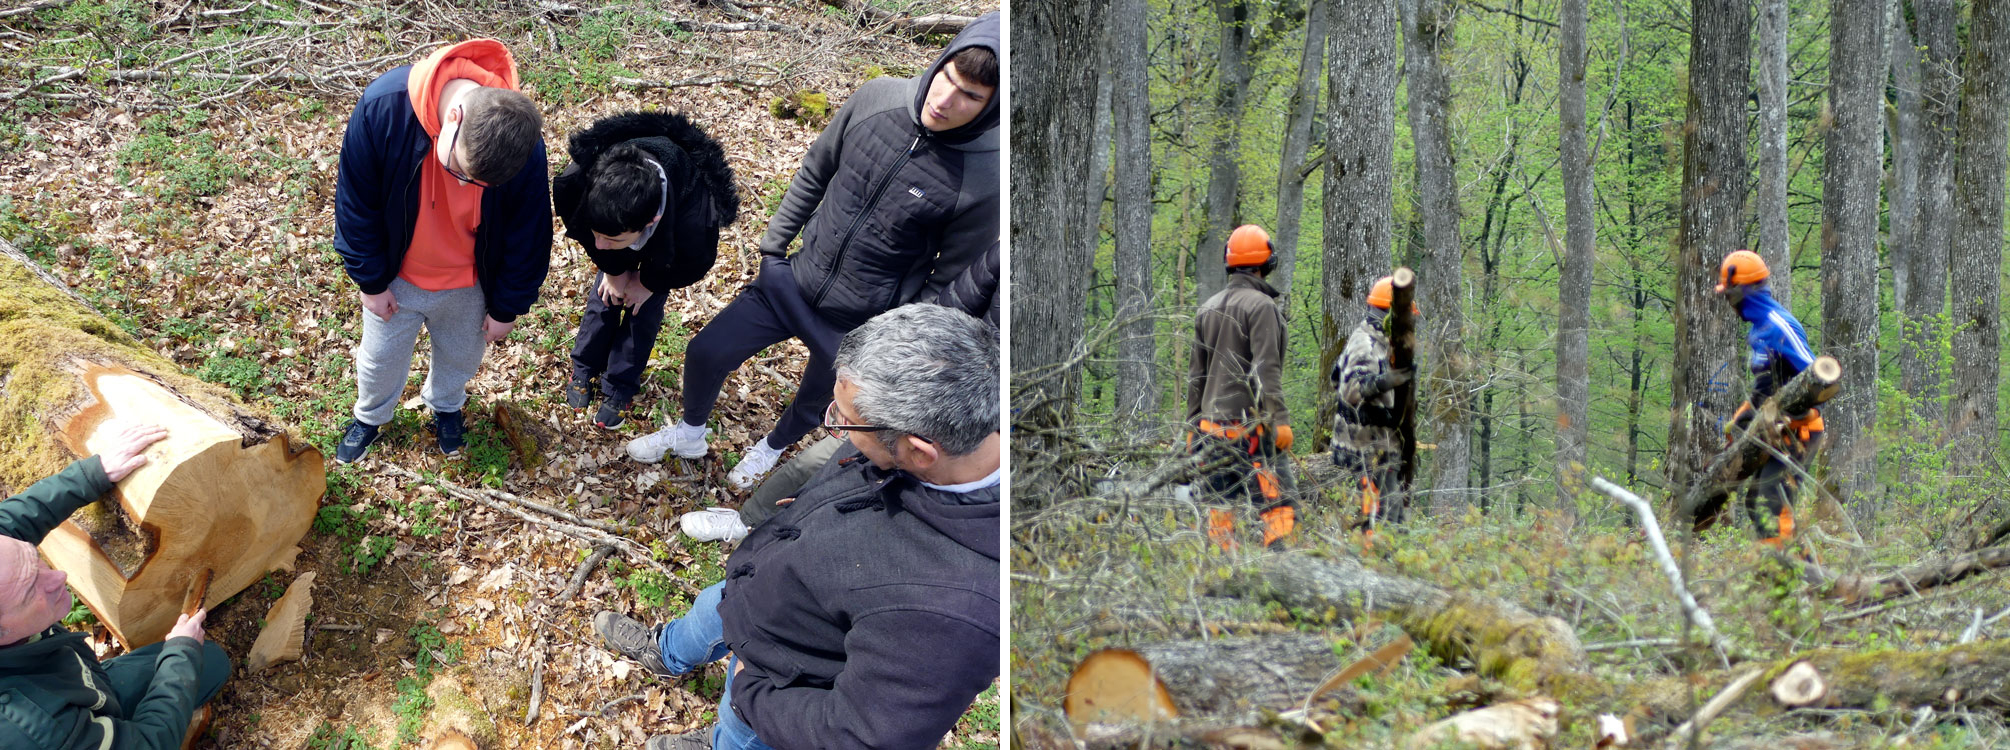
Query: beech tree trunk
[1050, 251]
[1292, 171]
[228, 491]
[1977, 266]
[1901, 120]
[1573, 339]
[1224, 179]
[1427, 39]
[1853, 159]
[1707, 344]
[1356, 199]
[1927, 248]
[1773, 147]
[1130, 93]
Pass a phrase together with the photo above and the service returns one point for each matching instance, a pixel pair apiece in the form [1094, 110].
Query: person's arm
[908, 676]
[360, 197]
[806, 191]
[1196, 372]
[526, 235]
[975, 290]
[38, 510]
[691, 252]
[1266, 363]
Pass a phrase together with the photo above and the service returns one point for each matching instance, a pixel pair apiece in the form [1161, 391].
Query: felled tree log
[1402, 330]
[1907, 581]
[1813, 387]
[1497, 638]
[226, 492]
[1227, 678]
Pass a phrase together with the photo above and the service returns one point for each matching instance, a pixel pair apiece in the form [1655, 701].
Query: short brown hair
[977, 65]
[503, 128]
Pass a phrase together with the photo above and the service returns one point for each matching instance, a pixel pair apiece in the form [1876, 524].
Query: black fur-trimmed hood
[708, 158]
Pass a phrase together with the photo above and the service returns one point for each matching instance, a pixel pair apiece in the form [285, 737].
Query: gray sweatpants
[453, 318]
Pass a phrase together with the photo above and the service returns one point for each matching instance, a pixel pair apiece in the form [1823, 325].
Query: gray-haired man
[895, 544]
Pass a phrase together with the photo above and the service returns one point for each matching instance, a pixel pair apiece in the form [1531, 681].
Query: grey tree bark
[1292, 171]
[1427, 39]
[1772, 194]
[1049, 143]
[1852, 168]
[1714, 173]
[1357, 197]
[1901, 123]
[1573, 340]
[1130, 95]
[1927, 247]
[1977, 259]
[1224, 172]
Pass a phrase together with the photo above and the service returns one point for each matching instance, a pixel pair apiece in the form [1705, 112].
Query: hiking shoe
[713, 525]
[356, 440]
[696, 739]
[632, 639]
[609, 416]
[684, 440]
[579, 393]
[756, 463]
[447, 426]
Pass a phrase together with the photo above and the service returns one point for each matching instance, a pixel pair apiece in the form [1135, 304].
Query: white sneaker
[756, 463]
[684, 440]
[714, 525]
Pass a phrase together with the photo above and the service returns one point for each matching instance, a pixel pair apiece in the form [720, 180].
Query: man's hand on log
[189, 625]
[129, 449]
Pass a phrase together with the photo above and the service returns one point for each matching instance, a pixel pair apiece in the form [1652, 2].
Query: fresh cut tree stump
[226, 491]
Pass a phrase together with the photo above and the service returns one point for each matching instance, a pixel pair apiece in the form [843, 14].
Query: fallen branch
[1908, 581]
[1813, 387]
[1697, 616]
[32, 7]
[1709, 712]
[536, 688]
[938, 23]
[584, 571]
[650, 83]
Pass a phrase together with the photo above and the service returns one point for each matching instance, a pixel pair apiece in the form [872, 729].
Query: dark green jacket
[53, 693]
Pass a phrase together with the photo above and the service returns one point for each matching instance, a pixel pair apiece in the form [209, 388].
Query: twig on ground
[536, 688]
[1974, 628]
[650, 83]
[1634, 643]
[1653, 528]
[32, 7]
[1709, 711]
[584, 571]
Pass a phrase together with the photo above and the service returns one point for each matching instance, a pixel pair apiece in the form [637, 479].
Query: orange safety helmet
[1248, 245]
[1383, 293]
[1739, 268]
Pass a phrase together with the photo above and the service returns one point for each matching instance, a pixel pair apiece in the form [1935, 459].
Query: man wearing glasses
[443, 220]
[866, 613]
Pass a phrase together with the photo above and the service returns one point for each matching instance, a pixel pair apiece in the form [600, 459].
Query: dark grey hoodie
[888, 211]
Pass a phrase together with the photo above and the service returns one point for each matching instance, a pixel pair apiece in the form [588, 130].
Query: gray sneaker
[632, 639]
[696, 739]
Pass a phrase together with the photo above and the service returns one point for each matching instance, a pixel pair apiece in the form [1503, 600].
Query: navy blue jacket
[377, 205]
[1779, 345]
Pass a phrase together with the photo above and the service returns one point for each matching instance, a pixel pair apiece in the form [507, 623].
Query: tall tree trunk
[1927, 248]
[1231, 80]
[1292, 170]
[1852, 164]
[1356, 199]
[1050, 249]
[1978, 236]
[1427, 39]
[1772, 196]
[1573, 340]
[1713, 203]
[1130, 93]
[1902, 191]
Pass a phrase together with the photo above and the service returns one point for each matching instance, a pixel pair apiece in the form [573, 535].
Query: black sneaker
[609, 416]
[447, 426]
[356, 440]
[579, 393]
[632, 639]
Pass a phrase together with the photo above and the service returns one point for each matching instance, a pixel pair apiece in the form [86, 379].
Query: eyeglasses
[460, 123]
[838, 429]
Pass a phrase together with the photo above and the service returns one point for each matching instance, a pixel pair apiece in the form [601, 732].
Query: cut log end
[1403, 277]
[453, 740]
[1799, 686]
[1827, 369]
[1116, 685]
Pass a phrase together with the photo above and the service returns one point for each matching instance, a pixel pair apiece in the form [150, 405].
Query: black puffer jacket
[866, 613]
[889, 211]
[975, 291]
[702, 197]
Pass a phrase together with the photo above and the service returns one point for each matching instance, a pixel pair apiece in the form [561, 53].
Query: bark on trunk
[1573, 341]
[226, 492]
[1427, 39]
[1927, 250]
[1403, 355]
[1224, 172]
[1977, 267]
[1813, 387]
[1292, 171]
[1853, 159]
[1772, 195]
[1713, 203]
[1233, 678]
[1130, 93]
[1050, 251]
[1901, 121]
[1357, 197]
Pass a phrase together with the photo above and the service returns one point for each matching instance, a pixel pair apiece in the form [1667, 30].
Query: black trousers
[614, 343]
[769, 311]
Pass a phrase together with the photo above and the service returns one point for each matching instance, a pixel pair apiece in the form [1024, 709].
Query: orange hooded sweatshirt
[442, 255]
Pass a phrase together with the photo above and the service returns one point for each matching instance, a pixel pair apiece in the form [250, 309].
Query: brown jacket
[1237, 373]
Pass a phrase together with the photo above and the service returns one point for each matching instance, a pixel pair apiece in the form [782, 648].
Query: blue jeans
[695, 640]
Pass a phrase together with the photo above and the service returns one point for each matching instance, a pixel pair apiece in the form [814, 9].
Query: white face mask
[662, 202]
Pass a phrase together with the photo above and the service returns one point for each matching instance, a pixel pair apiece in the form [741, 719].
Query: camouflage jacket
[1364, 420]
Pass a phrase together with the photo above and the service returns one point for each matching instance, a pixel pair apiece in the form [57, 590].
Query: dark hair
[624, 192]
[502, 130]
[977, 65]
